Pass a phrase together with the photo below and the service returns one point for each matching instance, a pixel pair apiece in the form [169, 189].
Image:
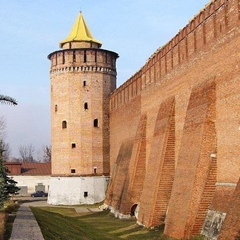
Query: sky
[30, 30]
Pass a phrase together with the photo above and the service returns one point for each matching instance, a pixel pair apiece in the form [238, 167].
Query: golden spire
[80, 33]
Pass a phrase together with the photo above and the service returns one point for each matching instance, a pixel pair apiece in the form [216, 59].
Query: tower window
[56, 108]
[85, 194]
[64, 124]
[106, 58]
[95, 56]
[74, 56]
[84, 83]
[95, 122]
[63, 58]
[86, 106]
[73, 170]
[85, 56]
[95, 170]
[73, 145]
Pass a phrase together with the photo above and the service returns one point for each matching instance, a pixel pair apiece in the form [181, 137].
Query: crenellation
[238, 5]
[175, 56]
[202, 29]
[197, 144]
[168, 136]
[102, 59]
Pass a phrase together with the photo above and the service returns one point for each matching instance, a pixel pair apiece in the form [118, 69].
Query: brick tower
[82, 78]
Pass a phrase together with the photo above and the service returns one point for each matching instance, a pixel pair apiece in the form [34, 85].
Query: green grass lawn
[65, 223]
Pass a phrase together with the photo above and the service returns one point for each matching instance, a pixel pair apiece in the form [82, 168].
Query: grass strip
[65, 223]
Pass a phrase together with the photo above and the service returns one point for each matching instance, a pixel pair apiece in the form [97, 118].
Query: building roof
[29, 169]
[80, 33]
[33, 169]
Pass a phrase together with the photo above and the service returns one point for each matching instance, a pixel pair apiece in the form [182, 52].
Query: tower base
[77, 190]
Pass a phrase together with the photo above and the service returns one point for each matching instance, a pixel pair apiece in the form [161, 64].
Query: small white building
[30, 177]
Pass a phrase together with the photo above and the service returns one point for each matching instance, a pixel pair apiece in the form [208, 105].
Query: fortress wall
[232, 222]
[205, 52]
[213, 62]
[124, 123]
[216, 19]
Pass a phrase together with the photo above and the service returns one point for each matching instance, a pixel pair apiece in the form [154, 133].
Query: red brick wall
[119, 175]
[194, 163]
[200, 68]
[79, 77]
[136, 171]
[160, 170]
[231, 225]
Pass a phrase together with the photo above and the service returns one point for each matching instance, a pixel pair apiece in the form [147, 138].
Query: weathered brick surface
[119, 179]
[222, 198]
[81, 83]
[137, 170]
[231, 225]
[199, 67]
[194, 163]
[206, 198]
[156, 194]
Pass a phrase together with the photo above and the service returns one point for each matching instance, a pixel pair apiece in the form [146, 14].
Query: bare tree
[2, 128]
[47, 152]
[6, 151]
[4, 146]
[26, 153]
[7, 100]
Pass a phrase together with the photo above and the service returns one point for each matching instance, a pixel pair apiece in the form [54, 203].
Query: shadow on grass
[65, 223]
[58, 223]
[9, 225]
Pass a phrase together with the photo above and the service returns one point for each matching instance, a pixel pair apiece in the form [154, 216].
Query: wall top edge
[209, 9]
[82, 49]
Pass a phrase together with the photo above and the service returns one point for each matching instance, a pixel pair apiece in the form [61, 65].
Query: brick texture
[82, 80]
[199, 69]
[161, 167]
[119, 177]
[169, 136]
[137, 170]
[194, 166]
[231, 226]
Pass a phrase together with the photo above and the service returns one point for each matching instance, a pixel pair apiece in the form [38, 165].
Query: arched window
[64, 124]
[86, 106]
[95, 122]
[56, 108]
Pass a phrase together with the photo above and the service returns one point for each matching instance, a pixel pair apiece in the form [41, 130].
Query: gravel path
[25, 226]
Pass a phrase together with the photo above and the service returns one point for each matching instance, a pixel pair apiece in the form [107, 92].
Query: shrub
[3, 219]
[11, 207]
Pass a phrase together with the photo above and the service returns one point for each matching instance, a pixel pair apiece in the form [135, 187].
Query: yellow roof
[80, 33]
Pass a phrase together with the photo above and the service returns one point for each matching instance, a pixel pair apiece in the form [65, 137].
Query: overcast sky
[30, 30]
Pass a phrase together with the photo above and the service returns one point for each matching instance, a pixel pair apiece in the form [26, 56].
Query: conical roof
[80, 33]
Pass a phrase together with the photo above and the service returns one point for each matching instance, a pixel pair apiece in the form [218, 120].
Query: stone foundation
[77, 190]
